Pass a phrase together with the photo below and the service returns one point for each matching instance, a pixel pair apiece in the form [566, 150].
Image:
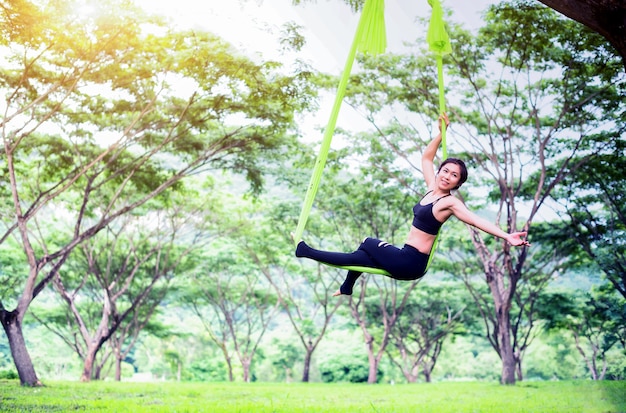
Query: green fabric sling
[439, 44]
[370, 37]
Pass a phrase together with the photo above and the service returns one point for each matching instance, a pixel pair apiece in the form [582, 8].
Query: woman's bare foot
[337, 293]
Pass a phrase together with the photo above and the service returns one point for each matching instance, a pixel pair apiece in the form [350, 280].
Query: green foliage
[593, 199]
[284, 357]
[553, 357]
[206, 370]
[8, 374]
[597, 321]
[242, 113]
[12, 267]
[350, 368]
[467, 358]
[104, 115]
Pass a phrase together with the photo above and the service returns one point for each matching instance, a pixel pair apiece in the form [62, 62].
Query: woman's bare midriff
[420, 240]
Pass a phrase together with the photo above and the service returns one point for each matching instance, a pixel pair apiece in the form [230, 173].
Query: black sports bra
[424, 219]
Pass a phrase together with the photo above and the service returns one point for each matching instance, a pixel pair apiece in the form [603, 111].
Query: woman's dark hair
[461, 165]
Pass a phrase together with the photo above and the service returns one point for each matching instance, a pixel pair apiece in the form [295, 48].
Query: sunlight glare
[86, 10]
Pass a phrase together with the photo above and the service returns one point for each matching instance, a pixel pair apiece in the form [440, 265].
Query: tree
[505, 272]
[530, 104]
[234, 305]
[596, 320]
[118, 278]
[545, 262]
[102, 115]
[432, 314]
[377, 315]
[366, 204]
[287, 355]
[351, 205]
[523, 312]
[175, 361]
[593, 200]
[304, 293]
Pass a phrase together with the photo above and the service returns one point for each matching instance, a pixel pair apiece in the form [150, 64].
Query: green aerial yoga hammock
[438, 43]
[370, 37]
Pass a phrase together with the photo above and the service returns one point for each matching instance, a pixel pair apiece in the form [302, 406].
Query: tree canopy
[105, 113]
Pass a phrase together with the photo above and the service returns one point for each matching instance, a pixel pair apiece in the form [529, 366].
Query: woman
[429, 214]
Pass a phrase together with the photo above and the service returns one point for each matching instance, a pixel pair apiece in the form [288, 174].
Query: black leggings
[406, 263]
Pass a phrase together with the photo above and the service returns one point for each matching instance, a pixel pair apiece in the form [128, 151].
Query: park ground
[457, 397]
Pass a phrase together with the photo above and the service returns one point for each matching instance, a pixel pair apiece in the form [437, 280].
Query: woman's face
[449, 176]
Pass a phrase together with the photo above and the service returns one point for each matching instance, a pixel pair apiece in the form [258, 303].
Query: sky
[328, 25]
[253, 27]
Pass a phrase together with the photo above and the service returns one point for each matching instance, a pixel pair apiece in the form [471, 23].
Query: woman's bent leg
[348, 284]
[358, 257]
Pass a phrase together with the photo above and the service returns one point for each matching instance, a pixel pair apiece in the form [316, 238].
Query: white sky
[328, 25]
[253, 26]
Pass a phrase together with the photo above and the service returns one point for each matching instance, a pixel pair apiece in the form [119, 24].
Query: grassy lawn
[569, 397]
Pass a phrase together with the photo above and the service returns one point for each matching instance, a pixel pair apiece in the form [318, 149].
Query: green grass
[569, 397]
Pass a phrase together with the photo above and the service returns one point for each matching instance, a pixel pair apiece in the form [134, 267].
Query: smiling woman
[411, 261]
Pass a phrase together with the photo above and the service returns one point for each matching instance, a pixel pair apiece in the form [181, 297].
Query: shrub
[8, 375]
[352, 370]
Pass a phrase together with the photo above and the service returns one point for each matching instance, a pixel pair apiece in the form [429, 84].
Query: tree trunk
[501, 336]
[23, 363]
[429, 362]
[372, 376]
[229, 367]
[88, 363]
[411, 375]
[118, 367]
[518, 372]
[307, 365]
[518, 367]
[246, 370]
[97, 371]
[427, 373]
[506, 349]
[287, 375]
[590, 361]
[604, 367]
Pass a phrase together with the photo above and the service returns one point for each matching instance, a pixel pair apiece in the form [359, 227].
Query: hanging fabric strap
[439, 44]
[370, 37]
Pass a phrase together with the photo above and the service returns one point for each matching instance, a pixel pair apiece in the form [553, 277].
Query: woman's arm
[428, 156]
[460, 211]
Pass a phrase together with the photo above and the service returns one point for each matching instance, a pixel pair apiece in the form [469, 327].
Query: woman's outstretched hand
[516, 239]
